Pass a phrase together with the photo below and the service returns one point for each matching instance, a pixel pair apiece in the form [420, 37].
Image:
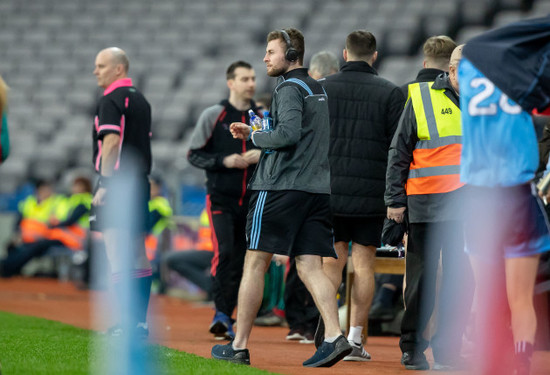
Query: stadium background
[179, 50]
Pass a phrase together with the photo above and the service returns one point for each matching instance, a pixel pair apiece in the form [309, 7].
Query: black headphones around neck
[291, 54]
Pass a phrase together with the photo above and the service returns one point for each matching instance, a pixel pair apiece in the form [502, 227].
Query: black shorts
[127, 211]
[290, 223]
[366, 231]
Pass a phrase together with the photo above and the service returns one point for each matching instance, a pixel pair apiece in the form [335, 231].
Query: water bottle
[266, 122]
[255, 121]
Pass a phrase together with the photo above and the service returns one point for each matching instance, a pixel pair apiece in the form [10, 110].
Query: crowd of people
[306, 177]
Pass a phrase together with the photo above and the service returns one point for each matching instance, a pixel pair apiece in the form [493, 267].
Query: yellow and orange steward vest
[436, 158]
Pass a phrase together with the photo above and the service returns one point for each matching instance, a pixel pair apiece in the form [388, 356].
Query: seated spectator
[49, 221]
[159, 220]
[194, 265]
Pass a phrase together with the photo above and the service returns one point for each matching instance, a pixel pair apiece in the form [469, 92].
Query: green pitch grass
[31, 345]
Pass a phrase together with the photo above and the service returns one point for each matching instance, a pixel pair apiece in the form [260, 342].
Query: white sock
[234, 347]
[355, 334]
[331, 339]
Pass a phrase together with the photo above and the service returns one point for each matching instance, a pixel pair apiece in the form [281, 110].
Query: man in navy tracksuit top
[229, 164]
[289, 211]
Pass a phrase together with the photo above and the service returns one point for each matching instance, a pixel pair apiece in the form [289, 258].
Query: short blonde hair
[438, 50]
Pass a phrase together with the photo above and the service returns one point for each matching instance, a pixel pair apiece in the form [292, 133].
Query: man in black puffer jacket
[364, 111]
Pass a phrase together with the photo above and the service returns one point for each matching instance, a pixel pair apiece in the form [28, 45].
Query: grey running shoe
[358, 353]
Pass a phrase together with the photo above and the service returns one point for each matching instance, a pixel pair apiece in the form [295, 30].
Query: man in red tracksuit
[229, 164]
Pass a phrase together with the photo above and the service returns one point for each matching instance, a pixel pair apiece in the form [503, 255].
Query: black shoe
[414, 361]
[319, 336]
[227, 353]
[329, 353]
[222, 327]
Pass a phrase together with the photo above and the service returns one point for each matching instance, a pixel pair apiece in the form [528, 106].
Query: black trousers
[300, 309]
[17, 259]
[228, 222]
[193, 265]
[425, 243]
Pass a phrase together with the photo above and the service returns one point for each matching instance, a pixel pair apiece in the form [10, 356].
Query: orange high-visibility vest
[33, 230]
[436, 158]
[72, 236]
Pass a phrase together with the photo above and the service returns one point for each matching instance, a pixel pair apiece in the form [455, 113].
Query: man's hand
[252, 156]
[235, 161]
[396, 214]
[240, 130]
[99, 197]
[545, 196]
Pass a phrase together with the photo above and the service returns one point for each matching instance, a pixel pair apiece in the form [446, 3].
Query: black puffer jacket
[364, 111]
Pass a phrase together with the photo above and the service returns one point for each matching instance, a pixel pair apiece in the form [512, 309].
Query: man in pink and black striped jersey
[122, 148]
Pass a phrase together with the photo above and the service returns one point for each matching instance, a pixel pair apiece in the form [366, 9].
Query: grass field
[31, 345]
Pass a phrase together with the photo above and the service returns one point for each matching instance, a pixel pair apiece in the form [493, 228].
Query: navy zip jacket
[521, 51]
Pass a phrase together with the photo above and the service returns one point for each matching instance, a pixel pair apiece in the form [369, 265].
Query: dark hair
[361, 44]
[230, 73]
[296, 40]
[85, 182]
[39, 183]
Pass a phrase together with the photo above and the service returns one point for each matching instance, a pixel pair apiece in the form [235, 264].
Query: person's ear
[374, 56]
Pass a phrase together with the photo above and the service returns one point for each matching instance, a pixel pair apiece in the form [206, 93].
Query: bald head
[456, 56]
[117, 56]
[111, 64]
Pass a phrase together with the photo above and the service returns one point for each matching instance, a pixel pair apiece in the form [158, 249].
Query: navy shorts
[366, 231]
[505, 222]
[129, 211]
[290, 223]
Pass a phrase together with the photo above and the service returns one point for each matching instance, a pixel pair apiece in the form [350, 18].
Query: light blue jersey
[499, 144]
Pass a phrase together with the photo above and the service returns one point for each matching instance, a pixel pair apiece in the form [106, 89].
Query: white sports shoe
[358, 353]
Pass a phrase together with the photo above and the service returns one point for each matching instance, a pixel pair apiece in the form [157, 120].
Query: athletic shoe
[295, 334]
[329, 353]
[227, 353]
[141, 331]
[319, 333]
[230, 333]
[308, 338]
[269, 320]
[222, 326]
[358, 353]
[415, 361]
